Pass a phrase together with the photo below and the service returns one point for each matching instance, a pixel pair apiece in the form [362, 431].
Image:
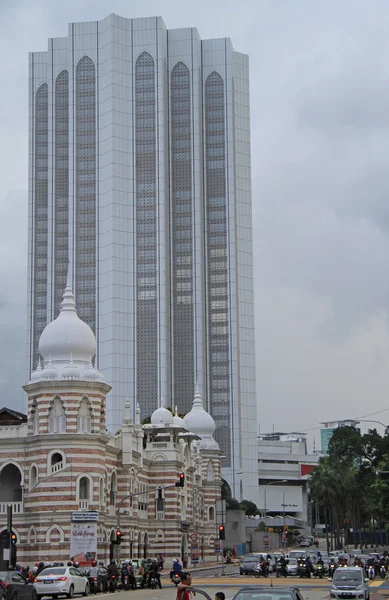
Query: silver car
[350, 583]
[292, 566]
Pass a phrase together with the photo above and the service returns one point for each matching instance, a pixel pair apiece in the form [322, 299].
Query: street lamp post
[266, 486]
[283, 504]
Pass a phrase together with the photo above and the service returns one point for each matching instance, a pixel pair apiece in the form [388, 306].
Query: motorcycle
[331, 569]
[94, 585]
[126, 582]
[304, 570]
[176, 579]
[371, 572]
[262, 570]
[319, 571]
[281, 570]
[112, 584]
[153, 582]
[383, 571]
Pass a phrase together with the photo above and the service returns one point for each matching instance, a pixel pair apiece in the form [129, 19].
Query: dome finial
[199, 421]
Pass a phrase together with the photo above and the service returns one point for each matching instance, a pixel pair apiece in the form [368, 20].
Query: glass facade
[61, 202]
[217, 266]
[181, 200]
[40, 227]
[85, 225]
[146, 234]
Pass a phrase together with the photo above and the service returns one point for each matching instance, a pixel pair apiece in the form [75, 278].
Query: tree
[345, 445]
[249, 508]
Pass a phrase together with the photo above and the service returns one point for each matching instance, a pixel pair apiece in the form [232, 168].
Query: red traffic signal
[118, 536]
[181, 481]
[222, 532]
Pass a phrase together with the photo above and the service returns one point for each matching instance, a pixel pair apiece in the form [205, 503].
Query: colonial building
[58, 463]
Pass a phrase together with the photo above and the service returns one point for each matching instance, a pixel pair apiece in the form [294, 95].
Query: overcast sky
[320, 149]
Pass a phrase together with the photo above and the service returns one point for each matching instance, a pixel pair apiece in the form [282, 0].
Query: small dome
[38, 373]
[48, 371]
[67, 335]
[71, 371]
[162, 416]
[198, 421]
[177, 420]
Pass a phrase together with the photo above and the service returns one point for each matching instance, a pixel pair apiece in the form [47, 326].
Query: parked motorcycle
[113, 583]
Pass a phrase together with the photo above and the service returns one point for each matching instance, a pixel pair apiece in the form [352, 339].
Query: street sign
[216, 546]
[266, 542]
[84, 515]
[194, 537]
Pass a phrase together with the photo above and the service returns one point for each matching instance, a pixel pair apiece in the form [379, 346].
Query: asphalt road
[310, 589]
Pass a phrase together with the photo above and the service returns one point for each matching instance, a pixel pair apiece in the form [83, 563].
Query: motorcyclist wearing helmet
[41, 566]
[176, 567]
[113, 571]
[93, 570]
[154, 572]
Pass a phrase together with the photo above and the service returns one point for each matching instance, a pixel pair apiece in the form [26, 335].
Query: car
[350, 583]
[248, 564]
[305, 543]
[13, 586]
[298, 554]
[61, 581]
[268, 593]
[292, 566]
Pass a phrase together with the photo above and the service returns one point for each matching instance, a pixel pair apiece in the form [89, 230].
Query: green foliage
[347, 484]
[261, 527]
[249, 508]
[232, 504]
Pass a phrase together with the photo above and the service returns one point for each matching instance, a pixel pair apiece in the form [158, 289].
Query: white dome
[67, 336]
[162, 416]
[177, 420]
[198, 421]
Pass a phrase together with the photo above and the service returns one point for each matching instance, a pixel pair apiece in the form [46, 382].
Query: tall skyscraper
[140, 182]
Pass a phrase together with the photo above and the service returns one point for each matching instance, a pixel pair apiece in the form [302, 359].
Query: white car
[61, 581]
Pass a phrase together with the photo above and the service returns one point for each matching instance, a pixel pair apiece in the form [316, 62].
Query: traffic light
[181, 481]
[118, 536]
[13, 538]
[222, 532]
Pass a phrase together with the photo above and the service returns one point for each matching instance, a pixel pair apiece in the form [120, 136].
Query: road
[313, 589]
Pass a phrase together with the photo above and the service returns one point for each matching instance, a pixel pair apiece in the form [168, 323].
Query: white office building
[140, 185]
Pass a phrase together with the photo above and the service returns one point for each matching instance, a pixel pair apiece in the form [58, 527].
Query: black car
[268, 593]
[13, 586]
[248, 564]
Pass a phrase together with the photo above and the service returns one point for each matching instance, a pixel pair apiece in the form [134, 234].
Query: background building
[140, 179]
[329, 428]
[284, 466]
[60, 463]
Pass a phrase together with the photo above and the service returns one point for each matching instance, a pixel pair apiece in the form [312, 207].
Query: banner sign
[84, 515]
[83, 542]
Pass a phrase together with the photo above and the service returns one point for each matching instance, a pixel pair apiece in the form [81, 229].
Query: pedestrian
[220, 596]
[161, 560]
[183, 593]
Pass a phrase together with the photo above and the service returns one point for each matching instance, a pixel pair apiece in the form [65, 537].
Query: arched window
[57, 417]
[101, 492]
[57, 462]
[211, 513]
[84, 417]
[84, 492]
[34, 419]
[33, 479]
[114, 489]
[210, 471]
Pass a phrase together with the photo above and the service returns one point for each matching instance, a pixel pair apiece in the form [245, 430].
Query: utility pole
[9, 533]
